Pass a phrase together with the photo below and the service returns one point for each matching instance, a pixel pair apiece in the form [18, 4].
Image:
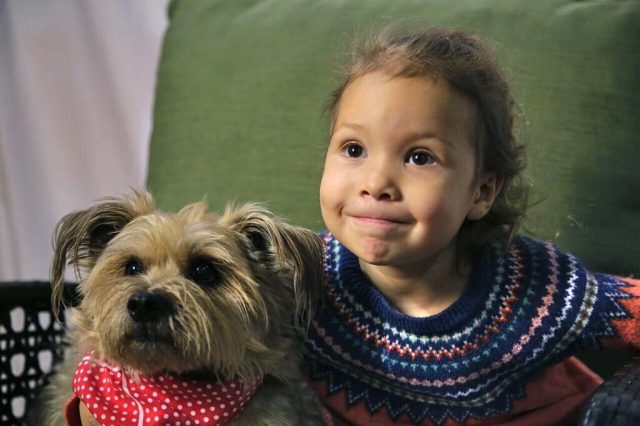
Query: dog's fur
[239, 287]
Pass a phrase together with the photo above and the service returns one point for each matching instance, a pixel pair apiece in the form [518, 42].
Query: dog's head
[187, 292]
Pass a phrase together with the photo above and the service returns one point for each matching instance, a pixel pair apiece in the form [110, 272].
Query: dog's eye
[133, 267]
[202, 271]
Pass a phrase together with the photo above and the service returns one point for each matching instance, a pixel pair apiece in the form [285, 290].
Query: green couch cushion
[242, 86]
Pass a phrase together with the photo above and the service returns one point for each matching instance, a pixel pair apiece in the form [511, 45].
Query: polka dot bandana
[116, 398]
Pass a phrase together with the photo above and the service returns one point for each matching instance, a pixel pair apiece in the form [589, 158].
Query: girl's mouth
[377, 220]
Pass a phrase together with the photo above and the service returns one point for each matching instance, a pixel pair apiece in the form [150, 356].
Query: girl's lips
[375, 220]
[378, 221]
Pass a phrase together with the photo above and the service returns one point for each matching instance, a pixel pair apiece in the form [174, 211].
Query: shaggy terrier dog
[184, 319]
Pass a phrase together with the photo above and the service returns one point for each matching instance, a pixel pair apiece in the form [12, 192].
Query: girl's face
[400, 172]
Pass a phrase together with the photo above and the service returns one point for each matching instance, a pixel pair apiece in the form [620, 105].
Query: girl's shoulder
[528, 249]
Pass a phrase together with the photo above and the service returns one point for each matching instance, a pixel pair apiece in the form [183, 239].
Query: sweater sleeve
[615, 319]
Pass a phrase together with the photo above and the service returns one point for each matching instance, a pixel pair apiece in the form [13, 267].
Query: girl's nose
[379, 183]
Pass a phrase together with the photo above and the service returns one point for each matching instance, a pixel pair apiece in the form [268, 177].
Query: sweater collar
[352, 284]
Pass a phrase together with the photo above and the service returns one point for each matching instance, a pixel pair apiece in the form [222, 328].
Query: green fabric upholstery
[242, 86]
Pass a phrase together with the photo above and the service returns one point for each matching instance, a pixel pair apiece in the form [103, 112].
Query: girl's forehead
[417, 104]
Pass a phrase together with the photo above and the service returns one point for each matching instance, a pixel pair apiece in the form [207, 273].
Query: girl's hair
[470, 67]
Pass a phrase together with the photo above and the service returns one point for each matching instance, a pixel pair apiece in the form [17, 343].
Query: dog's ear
[274, 241]
[80, 237]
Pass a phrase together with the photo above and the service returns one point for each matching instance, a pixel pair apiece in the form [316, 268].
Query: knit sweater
[501, 353]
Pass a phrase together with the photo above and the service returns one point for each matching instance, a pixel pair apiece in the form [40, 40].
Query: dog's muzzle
[145, 306]
[150, 315]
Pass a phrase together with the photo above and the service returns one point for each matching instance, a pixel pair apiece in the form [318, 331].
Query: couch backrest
[242, 86]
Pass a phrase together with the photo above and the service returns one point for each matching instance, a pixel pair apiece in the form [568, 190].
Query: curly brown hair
[470, 67]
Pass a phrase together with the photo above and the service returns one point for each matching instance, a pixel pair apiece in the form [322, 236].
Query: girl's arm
[615, 320]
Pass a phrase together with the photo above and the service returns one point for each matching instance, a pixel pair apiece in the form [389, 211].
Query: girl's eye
[420, 158]
[133, 267]
[202, 271]
[353, 150]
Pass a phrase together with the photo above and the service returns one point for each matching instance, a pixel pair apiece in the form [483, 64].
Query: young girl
[435, 312]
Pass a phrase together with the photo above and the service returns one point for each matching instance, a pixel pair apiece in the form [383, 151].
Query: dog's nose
[146, 306]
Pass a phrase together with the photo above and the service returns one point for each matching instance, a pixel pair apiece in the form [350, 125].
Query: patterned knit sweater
[500, 354]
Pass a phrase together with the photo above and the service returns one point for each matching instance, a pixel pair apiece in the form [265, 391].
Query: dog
[185, 318]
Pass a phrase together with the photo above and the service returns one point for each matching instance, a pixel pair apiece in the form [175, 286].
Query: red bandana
[115, 397]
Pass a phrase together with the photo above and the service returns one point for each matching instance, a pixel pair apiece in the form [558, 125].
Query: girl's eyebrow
[415, 136]
[352, 126]
[411, 136]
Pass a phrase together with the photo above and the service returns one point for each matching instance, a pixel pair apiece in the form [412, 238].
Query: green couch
[242, 87]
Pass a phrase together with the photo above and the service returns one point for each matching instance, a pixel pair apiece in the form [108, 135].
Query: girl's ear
[485, 192]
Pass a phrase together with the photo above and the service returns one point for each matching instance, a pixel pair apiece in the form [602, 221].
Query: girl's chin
[376, 254]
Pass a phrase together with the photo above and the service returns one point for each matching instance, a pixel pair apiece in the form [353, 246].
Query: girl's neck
[421, 290]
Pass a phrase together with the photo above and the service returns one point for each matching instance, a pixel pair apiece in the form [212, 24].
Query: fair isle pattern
[525, 308]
